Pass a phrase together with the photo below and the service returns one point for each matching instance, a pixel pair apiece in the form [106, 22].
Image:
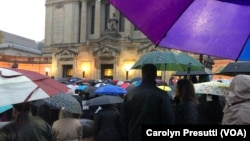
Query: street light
[46, 71]
[127, 68]
[83, 72]
[126, 74]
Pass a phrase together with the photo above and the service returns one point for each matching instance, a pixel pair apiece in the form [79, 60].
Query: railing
[26, 60]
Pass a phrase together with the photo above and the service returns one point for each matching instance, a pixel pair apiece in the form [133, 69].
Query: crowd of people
[145, 104]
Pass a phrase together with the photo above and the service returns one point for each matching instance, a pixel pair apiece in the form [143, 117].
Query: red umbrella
[17, 85]
[125, 85]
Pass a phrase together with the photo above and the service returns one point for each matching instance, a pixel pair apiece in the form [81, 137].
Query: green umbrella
[168, 60]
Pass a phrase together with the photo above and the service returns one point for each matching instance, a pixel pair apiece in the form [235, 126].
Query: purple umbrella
[211, 27]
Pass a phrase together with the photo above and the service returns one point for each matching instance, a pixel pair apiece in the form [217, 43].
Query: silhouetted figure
[107, 122]
[145, 104]
[15, 64]
[26, 127]
[210, 110]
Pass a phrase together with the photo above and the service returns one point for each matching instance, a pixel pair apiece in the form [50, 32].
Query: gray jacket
[237, 109]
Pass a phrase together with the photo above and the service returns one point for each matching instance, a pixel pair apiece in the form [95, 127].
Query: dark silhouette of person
[107, 122]
[145, 104]
[15, 64]
[210, 110]
[26, 127]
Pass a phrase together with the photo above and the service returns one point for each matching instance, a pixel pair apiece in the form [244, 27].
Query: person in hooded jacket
[237, 107]
[68, 127]
[26, 127]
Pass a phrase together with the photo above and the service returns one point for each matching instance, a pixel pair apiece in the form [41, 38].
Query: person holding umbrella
[26, 127]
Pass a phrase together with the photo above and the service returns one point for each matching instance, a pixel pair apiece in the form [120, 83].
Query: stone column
[83, 26]
[97, 31]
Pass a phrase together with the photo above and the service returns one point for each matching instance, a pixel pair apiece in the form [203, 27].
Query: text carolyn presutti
[183, 132]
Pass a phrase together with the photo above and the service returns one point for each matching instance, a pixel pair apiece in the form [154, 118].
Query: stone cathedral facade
[92, 39]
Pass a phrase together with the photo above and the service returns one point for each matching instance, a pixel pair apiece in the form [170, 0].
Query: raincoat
[27, 128]
[145, 105]
[237, 108]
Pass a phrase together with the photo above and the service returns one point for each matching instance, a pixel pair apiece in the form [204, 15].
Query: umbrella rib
[28, 97]
[9, 76]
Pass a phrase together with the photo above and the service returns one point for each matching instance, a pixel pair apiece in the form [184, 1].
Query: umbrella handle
[188, 71]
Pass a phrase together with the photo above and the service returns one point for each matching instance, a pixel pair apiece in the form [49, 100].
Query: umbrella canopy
[66, 101]
[200, 26]
[168, 60]
[125, 85]
[165, 88]
[130, 87]
[206, 71]
[110, 90]
[100, 84]
[212, 87]
[135, 79]
[17, 86]
[234, 68]
[5, 108]
[90, 90]
[81, 87]
[103, 100]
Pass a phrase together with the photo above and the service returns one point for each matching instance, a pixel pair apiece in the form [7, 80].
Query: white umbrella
[212, 87]
[17, 86]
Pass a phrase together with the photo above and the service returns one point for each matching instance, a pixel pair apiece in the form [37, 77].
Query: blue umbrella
[136, 79]
[110, 90]
[81, 87]
[5, 108]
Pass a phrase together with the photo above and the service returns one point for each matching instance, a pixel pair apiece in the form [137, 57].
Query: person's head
[239, 89]
[149, 72]
[107, 106]
[21, 108]
[194, 79]
[204, 78]
[185, 90]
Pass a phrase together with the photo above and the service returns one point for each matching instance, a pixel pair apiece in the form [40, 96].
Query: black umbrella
[90, 90]
[234, 68]
[66, 101]
[103, 100]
